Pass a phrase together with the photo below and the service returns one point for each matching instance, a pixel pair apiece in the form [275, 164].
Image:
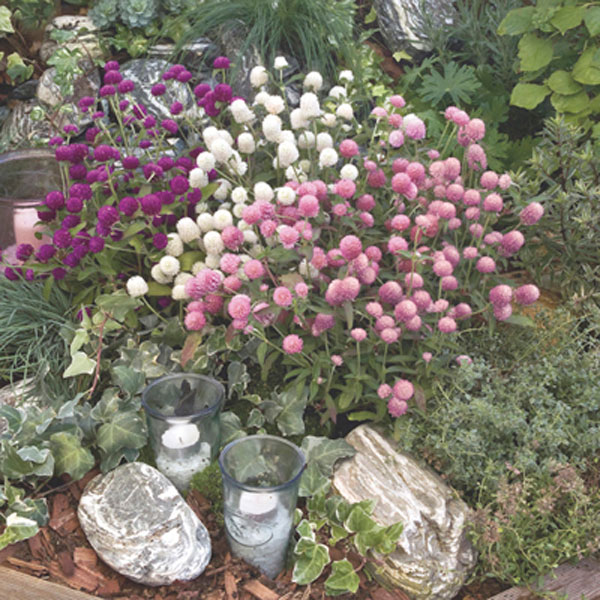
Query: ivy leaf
[231, 427]
[592, 20]
[255, 418]
[287, 409]
[80, 364]
[117, 305]
[567, 17]
[17, 529]
[237, 378]
[517, 21]
[113, 460]
[310, 564]
[125, 430]
[13, 417]
[5, 24]
[129, 380]
[70, 456]
[534, 52]
[343, 578]
[528, 95]
[325, 452]
[313, 481]
[16, 69]
[42, 459]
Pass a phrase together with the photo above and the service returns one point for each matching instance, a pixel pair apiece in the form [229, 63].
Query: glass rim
[262, 489]
[183, 418]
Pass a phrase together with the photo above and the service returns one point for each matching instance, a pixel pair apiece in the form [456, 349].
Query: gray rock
[145, 72]
[197, 56]
[25, 91]
[84, 37]
[138, 523]
[434, 556]
[50, 94]
[26, 125]
[403, 22]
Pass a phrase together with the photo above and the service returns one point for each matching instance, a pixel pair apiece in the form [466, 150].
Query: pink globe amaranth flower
[301, 290]
[239, 324]
[232, 284]
[527, 294]
[337, 360]
[345, 188]
[494, 237]
[414, 324]
[476, 158]
[489, 180]
[195, 305]
[413, 280]
[374, 309]
[532, 213]
[292, 344]
[397, 101]
[500, 295]
[389, 335]
[452, 168]
[288, 237]
[396, 138]
[470, 252]
[339, 210]
[476, 230]
[373, 253]
[390, 293]
[229, 263]
[379, 112]
[493, 203]
[366, 202]
[366, 219]
[414, 127]
[322, 322]
[504, 182]
[253, 269]
[454, 192]
[282, 296]
[471, 198]
[350, 247]
[395, 120]
[463, 359]
[512, 242]
[422, 299]
[426, 356]
[268, 228]
[502, 312]
[251, 214]
[403, 390]
[194, 320]
[358, 334]
[447, 325]
[384, 322]
[454, 223]
[400, 222]
[384, 391]
[232, 237]
[475, 130]
[308, 206]
[397, 244]
[472, 213]
[462, 310]
[486, 264]
[348, 148]
[449, 283]
[442, 268]
[397, 407]
[369, 165]
[239, 306]
[405, 310]
[401, 183]
[319, 258]
[376, 178]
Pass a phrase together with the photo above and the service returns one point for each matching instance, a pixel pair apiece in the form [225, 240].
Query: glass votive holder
[182, 411]
[261, 475]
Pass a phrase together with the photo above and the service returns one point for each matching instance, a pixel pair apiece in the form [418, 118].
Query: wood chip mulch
[60, 553]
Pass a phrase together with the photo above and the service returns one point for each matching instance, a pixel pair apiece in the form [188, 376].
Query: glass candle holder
[182, 411]
[261, 475]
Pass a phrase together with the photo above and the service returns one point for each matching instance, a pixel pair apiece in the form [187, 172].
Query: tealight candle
[180, 436]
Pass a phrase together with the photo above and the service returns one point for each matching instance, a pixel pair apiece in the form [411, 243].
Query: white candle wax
[180, 436]
[258, 504]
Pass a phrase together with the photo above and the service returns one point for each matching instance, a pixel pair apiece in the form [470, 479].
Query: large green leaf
[5, 24]
[517, 21]
[313, 481]
[125, 430]
[567, 17]
[42, 460]
[325, 452]
[80, 364]
[574, 103]
[343, 578]
[287, 409]
[587, 68]
[310, 564]
[118, 304]
[592, 20]
[534, 52]
[70, 456]
[231, 427]
[562, 82]
[17, 528]
[13, 417]
[528, 95]
[11, 464]
[129, 380]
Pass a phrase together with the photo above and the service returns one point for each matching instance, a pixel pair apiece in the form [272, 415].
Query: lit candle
[180, 436]
[258, 504]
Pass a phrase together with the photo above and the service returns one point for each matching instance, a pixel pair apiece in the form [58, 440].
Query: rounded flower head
[527, 294]
[292, 344]
[403, 390]
[447, 325]
[396, 407]
[500, 295]
[358, 334]
[258, 76]
[239, 306]
[136, 286]
[282, 296]
[532, 213]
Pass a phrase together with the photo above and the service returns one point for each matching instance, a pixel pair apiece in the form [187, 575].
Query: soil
[60, 553]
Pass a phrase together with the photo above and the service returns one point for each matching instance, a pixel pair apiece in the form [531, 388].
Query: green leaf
[17, 529]
[36, 510]
[592, 20]
[13, 417]
[310, 564]
[70, 456]
[534, 52]
[80, 364]
[117, 305]
[43, 460]
[238, 378]
[562, 82]
[158, 289]
[125, 430]
[261, 352]
[459, 82]
[287, 408]
[371, 16]
[304, 530]
[111, 461]
[80, 338]
[325, 452]
[231, 427]
[5, 24]
[359, 520]
[11, 464]
[187, 259]
[517, 21]
[587, 68]
[255, 418]
[528, 95]
[129, 380]
[313, 481]
[521, 320]
[401, 55]
[567, 17]
[16, 69]
[573, 103]
[343, 578]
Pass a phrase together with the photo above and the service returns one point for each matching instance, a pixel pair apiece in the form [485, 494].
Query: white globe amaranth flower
[306, 139]
[239, 195]
[328, 157]
[174, 246]
[178, 293]
[338, 92]
[324, 140]
[305, 165]
[206, 161]
[225, 205]
[198, 178]
[287, 153]
[169, 265]
[287, 135]
[274, 104]
[280, 63]
[256, 250]
[271, 127]
[136, 286]
[201, 207]
[263, 191]
[250, 237]
[258, 76]
[346, 75]
[238, 211]
[209, 134]
[298, 120]
[197, 267]
[297, 175]
[236, 165]
[212, 261]
[243, 226]
[329, 120]
[309, 105]
[188, 230]
[349, 172]
[205, 222]
[286, 196]
[261, 97]
[182, 278]
[213, 243]
[241, 112]
[307, 270]
[220, 149]
[313, 81]
[345, 111]
[222, 218]
[157, 274]
[246, 143]
[222, 191]
[225, 135]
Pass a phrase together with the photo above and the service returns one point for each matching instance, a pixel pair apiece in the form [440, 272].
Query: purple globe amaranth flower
[171, 220]
[131, 162]
[102, 229]
[128, 205]
[176, 108]
[116, 235]
[46, 215]
[29, 275]
[77, 172]
[221, 62]
[45, 252]
[152, 171]
[85, 103]
[194, 196]
[160, 241]
[223, 92]
[149, 122]
[166, 197]
[157, 221]
[183, 76]
[201, 90]
[70, 128]
[54, 200]
[103, 152]
[185, 164]
[144, 144]
[168, 75]
[107, 90]
[12, 274]
[111, 65]
[99, 114]
[125, 87]
[91, 133]
[151, 204]
[62, 238]
[24, 251]
[55, 141]
[113, 77]
[179, 184]
[63, 153]
[59, 273]
[71, 260]
[96, 244]
[81, 190]
[71, 221]
[158, 89]
[165, 163]
[169, 125]
[74, 204]
[108, 215]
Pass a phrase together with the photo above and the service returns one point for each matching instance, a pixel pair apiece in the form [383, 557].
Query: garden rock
[197, 56]
[145, 72]
[433, 557]
[83, 37]
[401, 21]
[24, 124]
[138, 523]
